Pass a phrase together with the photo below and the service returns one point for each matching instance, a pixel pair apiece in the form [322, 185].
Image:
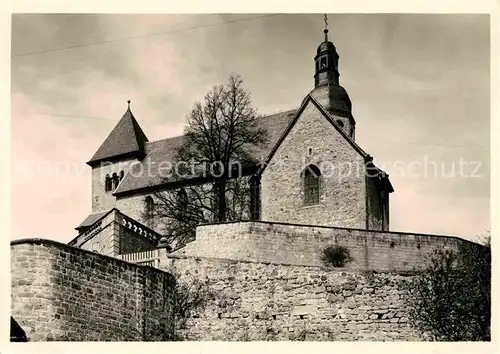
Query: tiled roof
[91, 218]
[127, 137]
[164, 150]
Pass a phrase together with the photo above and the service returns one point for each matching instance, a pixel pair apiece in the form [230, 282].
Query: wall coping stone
[47, 242]
[339, 228]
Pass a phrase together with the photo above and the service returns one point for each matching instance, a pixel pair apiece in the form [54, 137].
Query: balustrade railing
[139, 229]
[150, 257]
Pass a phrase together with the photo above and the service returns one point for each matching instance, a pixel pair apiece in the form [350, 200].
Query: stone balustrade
[150, 258]
[139, 229]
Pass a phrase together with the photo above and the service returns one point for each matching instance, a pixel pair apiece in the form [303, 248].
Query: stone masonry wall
[106, 239]
[63, 293]
[303, 245]
[133, 206]
[262, 301]
[313, 140]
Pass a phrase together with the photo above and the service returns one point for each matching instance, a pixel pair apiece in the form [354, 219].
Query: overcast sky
[419, 85]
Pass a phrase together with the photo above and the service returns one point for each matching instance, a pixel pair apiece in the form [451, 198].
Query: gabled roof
[140, 178]
[165, 150]
[368, 159]
[306, 100]
[126, 138]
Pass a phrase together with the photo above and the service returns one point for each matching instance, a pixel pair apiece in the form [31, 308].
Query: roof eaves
[140, 154]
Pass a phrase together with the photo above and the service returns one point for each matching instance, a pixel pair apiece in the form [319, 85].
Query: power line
[68, 115]
[141, 36]
[385, 141]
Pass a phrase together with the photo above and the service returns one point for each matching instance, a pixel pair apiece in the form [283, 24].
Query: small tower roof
[126, 139]
[326, 45]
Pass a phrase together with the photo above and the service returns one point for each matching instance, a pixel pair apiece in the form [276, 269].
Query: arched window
[115, 181]
[182, 200]
[121, 175]
[311, 178]
[149, 207]
[107, 184]
[255, 198]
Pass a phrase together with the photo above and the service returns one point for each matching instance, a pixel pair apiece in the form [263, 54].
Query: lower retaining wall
[258, 301]
[63, 293]
[303, 245]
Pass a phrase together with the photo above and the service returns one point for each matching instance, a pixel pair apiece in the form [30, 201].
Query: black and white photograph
[250, 177]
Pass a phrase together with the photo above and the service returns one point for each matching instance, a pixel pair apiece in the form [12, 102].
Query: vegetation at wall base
[451, 299]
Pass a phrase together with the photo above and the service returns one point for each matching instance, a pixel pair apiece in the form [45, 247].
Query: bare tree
[213, 166]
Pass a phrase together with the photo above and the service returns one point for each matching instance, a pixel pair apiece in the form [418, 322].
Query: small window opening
[182, 200]
[108, 184]
[323, 63]
[115, 181]
[149, 208]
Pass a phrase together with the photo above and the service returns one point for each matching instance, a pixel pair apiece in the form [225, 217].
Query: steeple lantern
[327, 63]
[327, 90]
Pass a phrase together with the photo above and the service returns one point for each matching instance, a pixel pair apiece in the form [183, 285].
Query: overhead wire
[141, 36]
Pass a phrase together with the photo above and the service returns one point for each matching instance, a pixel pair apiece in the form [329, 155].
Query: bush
[337, 256]
[451, 299]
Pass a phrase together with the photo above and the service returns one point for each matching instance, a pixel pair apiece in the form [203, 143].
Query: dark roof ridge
[263, 116]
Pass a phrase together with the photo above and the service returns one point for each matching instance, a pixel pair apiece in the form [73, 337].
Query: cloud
[418, 83]
[48, 184]
[421, 209]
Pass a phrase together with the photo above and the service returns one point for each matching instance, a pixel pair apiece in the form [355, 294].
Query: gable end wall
[343, 190]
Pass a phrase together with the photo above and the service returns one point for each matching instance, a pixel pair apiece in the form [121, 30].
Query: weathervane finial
[326, 28]
[128, 102]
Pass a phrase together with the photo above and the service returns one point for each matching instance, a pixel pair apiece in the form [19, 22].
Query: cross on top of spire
[326, 28]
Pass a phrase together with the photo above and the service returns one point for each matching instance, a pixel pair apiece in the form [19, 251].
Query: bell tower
[327, 90]
[327, 63]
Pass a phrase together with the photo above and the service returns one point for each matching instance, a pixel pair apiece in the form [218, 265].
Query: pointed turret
[126, 140]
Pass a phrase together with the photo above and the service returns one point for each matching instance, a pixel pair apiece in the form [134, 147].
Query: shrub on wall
[451, 299]
[336, 255]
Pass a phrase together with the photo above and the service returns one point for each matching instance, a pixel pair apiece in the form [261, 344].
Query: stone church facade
[310, 172]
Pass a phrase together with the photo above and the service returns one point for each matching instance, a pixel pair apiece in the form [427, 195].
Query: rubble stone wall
[262, 301]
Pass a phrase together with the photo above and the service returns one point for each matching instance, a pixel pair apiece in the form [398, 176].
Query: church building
[314, 172]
